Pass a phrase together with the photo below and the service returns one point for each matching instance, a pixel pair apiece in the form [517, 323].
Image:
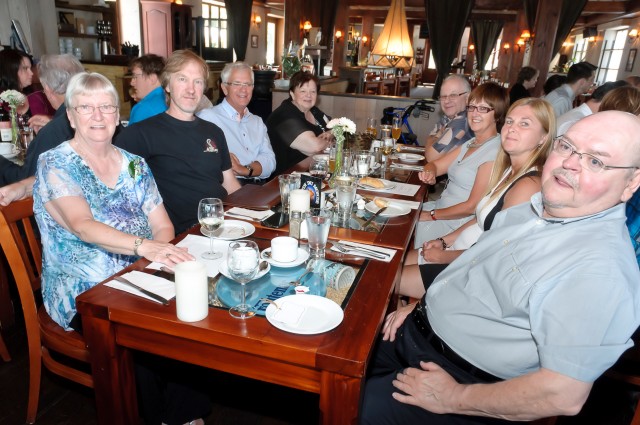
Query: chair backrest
[23, 253]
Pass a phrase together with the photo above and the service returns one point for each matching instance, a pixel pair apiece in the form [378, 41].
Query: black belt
[252, 180]
[420, 319]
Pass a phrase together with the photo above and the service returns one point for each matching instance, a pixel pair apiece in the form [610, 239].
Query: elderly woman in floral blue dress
[97, 206]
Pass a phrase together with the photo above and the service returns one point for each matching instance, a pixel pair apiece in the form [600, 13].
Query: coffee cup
[6, 148]
[284, 249]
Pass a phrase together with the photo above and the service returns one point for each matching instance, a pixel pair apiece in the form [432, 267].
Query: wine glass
[396, 128]
[372, 127]
[242, 263]
[319, 168]
[211, 217]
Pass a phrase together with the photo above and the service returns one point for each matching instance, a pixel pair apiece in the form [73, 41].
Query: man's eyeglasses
[452, 96]
[89, 109]
[481, 109]
[136, 76]
[562, 147]
[238, 85]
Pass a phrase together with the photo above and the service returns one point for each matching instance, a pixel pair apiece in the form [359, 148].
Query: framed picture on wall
[254, 41]
[631, 60]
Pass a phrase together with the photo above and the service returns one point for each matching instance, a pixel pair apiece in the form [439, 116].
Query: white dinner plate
[318, 315]
[231, 230]
[409, 157]
[303, 255]
[224, 270]
[387, 186]
[393, 210]
[10, 155]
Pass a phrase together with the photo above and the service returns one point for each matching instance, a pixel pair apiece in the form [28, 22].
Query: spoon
[263, 266]
[297, 281]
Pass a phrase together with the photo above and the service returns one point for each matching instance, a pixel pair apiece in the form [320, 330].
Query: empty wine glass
[319, 168]
[242, 263]
[211, 218]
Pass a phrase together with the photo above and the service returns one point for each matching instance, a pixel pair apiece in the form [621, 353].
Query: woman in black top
[527, 79]
[297, 128]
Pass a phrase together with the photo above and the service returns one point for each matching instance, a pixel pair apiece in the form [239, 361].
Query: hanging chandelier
[393, 47]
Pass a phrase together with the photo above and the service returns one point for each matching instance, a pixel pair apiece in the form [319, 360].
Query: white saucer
[393, 210]
[303, 255]
[224, 270]
[231, 230]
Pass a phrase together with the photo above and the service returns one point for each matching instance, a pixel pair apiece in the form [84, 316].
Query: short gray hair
[55, 71]
[463, 80]
[89, 84]
[235, 66]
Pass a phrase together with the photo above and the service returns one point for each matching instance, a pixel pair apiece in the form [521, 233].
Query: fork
[365, 251]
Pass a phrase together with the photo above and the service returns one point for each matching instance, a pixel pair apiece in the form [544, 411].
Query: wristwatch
[250, 168]
[433, 215]
[136, 245]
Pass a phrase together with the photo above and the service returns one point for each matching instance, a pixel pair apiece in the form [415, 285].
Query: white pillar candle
[299, 200]
[192, 293]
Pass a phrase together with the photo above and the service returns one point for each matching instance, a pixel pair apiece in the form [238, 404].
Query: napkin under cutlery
[246, 214]
[407, 167]
[158, 285]
[196, 245]
[414, 205]
[354, 246]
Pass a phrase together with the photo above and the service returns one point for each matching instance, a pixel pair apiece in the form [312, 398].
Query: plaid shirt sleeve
[633, 222]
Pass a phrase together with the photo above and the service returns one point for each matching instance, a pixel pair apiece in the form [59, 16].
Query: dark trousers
[390, 358]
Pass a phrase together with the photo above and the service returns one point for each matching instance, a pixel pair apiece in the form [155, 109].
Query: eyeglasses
[562, 147]
[89, 109]
[481, 109]
[136, 76]
[237, 84]
[452, 96]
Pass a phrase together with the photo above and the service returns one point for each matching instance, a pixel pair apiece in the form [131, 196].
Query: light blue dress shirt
[561, 99]
[535, 292]
[246, 137]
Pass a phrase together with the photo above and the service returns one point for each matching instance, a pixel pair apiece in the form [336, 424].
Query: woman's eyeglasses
[481, 109]
[89, 109]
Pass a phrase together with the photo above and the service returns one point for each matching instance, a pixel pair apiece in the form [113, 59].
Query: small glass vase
[338, 166]
[15, 132]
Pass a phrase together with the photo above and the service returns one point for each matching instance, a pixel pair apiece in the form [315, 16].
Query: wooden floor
[236, 401]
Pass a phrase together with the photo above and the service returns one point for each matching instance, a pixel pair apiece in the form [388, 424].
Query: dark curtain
[484, 35]
[327, 21]
[569, 15]
[239, 22]
[530, 10]
[446, 20]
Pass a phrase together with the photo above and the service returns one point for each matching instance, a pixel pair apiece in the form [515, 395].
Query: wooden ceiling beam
[605, 7]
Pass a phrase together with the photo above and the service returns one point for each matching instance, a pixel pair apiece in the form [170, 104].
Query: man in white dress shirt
[252, 157]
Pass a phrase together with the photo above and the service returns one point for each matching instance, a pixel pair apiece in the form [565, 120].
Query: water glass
[211, 218]
[242, 262]
[318, 224]
[288, 182]
[362, 163]
[345, 196]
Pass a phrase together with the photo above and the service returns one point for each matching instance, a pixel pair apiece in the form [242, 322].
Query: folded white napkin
[288, 312]
[385, 251]
[158, 285]
[407, 167]
[237, 212]
[196, 245]
[414, 205]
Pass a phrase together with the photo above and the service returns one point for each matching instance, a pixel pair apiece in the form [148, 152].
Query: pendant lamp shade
[393, 47]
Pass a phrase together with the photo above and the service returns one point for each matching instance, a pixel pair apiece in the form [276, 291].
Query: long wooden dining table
[331, 364]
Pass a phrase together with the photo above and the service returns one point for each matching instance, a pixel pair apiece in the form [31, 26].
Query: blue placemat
[273, 285]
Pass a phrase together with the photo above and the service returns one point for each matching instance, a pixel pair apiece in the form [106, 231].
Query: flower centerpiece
[13, 98]
[339, 127]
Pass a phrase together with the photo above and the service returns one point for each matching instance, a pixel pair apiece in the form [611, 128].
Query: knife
[370, 252]
[243, 217]
[156, 297]
[370, 219]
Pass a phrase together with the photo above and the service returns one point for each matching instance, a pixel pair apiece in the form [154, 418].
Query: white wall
[38, 21]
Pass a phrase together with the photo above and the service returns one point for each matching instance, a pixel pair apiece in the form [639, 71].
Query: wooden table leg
[113, 373]
[339, 399]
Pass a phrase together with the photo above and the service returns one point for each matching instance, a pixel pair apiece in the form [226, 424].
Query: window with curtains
[612, 47]
[271, 42]
[492, 63]
[580, 49]
[215, 25]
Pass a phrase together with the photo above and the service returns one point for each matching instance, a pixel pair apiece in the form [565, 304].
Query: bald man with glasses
[453, 129]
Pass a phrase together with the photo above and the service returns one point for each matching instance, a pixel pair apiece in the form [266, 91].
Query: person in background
[188, 156]
[625, 99]
[16, 74]
[453, 128]
[468, 167]
[527, 79]
[634, 80]
[252, 158]
[297, 128]
[579, 80]
[553, 82]
[516, 329]
[591, 106]
[526, 139]
[55, 73]
[145, 79]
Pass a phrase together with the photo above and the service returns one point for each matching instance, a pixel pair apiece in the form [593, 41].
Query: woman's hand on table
[38, 121]
[427, 177]
[394, 320]
[163, 252]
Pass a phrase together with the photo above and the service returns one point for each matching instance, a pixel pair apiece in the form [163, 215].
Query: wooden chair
[23, 253]
[404, 86]
[372, 87]
[389, 86]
